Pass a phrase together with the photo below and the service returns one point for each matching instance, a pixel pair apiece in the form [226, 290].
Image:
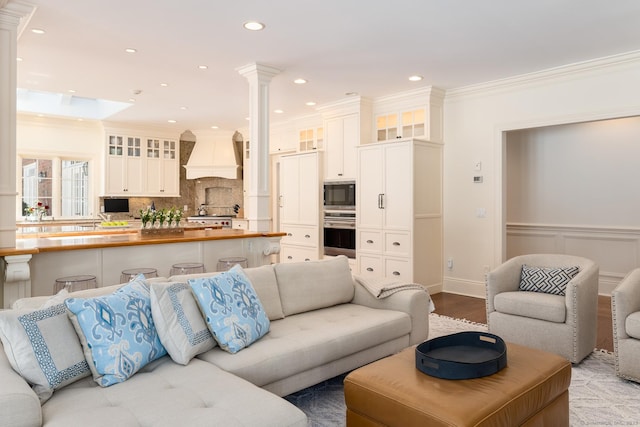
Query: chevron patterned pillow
[547, 280]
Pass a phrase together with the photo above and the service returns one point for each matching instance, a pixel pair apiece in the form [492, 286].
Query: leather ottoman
[532, 390]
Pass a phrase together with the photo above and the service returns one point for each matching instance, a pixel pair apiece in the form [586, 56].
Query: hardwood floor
[474, 310]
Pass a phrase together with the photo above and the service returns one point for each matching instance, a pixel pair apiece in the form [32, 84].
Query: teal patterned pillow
[232, 309]
[117, 332]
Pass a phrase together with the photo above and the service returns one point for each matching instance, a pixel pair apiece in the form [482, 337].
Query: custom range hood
[216, 157]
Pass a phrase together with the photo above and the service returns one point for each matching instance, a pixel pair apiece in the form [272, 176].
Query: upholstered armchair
[550, 319]
[625, 311]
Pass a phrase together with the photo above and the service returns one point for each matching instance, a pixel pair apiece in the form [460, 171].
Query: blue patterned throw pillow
[232, 309]
[117, 332]
[548, 280]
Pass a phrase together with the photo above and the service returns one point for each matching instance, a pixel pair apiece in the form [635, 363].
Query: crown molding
[547, 75]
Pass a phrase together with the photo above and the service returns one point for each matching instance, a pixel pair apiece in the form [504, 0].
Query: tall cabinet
[399, 211]
[300, 206]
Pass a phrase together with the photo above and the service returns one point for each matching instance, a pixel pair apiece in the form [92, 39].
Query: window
[60, 184]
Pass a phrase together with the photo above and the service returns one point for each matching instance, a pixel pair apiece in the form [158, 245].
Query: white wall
[475, 121]
[576, 174]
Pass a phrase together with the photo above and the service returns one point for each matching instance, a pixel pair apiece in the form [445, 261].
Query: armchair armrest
[625, 299]
[415, 303]
[19, 405]
[504, 278]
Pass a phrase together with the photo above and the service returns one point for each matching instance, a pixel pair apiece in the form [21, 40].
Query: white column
[258, 209]
[16, 279]
[10, 14]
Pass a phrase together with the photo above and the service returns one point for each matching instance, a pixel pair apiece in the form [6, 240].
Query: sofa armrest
[415, 303]
[19, 405]
[504, 278]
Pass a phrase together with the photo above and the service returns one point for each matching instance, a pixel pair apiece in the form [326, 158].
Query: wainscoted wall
[616, 250]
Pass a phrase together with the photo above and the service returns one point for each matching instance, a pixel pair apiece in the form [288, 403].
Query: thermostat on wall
[477, 179]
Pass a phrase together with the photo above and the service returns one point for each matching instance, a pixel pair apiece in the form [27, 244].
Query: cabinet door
[351, 140]
[115, 175]
[135, 176]
[335, 151]
[369, 193]
[308, 190]
[170, 169]
[289, 185]
[398, 189]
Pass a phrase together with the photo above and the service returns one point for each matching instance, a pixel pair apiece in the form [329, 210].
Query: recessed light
[253, 25]
[202, 67]
[415, 78]
[164, 84]
[19, 59]
[310, 103]
[247, 118]
[351, 93]
[278, 111]
[71, 91]
[299, 81]
[130, 50]
[183, 108]
[37, 31]
[214, 127]
[132, 100]
[172, 121]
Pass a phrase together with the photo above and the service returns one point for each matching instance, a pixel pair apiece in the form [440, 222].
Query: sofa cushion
[43, 348]
[232, 309]
[165, 394]
[179, 323]
[632, 325]
[310, 340]
[264, 283]
[311, 285]
[536, 305]
[117, 331]
[548, 280]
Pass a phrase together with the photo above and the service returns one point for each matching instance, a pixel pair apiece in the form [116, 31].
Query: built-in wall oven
[340, 233]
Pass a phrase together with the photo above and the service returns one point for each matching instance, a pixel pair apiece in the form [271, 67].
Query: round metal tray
[463, 355]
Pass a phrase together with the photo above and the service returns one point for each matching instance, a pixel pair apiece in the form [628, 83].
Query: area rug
[596, 396]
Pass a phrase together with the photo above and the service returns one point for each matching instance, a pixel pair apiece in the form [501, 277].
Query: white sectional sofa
[322, 323]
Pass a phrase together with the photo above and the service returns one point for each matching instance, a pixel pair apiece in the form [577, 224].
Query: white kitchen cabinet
[137, 166]
[404, 124]
[399, 211]
[310, 139]
[162, 177]
[343, 136]
[124, 166]
[300, 206]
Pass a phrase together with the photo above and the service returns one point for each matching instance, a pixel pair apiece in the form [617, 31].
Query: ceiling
[339, 46]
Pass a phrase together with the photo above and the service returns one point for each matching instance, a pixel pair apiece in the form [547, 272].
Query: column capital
[263, 72]
[14, 11]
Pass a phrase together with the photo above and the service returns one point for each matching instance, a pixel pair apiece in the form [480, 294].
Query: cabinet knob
[307, 259]
[396, 243]
[396, 273]
[307, 236]
[369, 269]
[289, 234]
[289, 257]
[369, 241]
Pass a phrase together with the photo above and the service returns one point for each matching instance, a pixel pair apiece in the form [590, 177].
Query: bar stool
[187, 268]
[225, 264]
[75, 283]
[129, 274]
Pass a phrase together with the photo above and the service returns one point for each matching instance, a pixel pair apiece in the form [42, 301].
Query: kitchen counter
[32, 266]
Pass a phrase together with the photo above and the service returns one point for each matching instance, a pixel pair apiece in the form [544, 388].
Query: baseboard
[470, 288]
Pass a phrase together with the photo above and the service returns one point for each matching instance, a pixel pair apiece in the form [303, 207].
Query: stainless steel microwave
[340, 195]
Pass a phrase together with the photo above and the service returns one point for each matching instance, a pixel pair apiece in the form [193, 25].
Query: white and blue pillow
[117, 332]
[231, 308]
[181, 328]
[42, 346]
